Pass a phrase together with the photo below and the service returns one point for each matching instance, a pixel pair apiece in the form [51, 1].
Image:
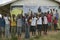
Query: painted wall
[36, 3]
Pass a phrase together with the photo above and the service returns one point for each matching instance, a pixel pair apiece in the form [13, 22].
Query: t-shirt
[2, 22]
[49, 17]
[45, 20]
[13, 23]
[19, 22]
[6, 20]
[39, 21]
[57, 16]
[54, 13]
[55, 21]
[29, 20]
[33, 23]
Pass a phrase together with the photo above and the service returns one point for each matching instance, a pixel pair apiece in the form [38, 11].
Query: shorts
[45, 27]
[55, 26]
[39, 27]
[33, 28]
[49, 23]
[19, 30]
[2, 29]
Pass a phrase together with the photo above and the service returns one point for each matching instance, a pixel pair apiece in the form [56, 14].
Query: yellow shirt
[13, 23]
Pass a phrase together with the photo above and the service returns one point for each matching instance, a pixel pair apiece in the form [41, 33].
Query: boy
[39, 25]
[19, 26]
[45, 24]
[13, 25]
[7, 26]
[55, 23]
[33, 25]
[49, 17]
[2, 26]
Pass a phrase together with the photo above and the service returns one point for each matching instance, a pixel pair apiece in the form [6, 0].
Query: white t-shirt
[54, 13]
[39, 21]
[45, 20]
[6, 20]
[33, 23]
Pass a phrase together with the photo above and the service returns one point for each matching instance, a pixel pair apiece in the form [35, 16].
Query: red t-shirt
[55, 21]
[49, 17]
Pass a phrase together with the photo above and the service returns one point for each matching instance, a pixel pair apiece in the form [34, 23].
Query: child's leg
[2, 31]
[12, 31]
[40, 29]
[49, 24]
[55, 26]
[46, 28]
[34, 30]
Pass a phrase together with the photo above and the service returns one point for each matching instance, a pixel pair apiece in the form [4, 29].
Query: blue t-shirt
[2, 22]
[57, 16]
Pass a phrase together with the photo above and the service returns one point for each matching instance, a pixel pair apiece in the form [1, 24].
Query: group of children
[33, 22]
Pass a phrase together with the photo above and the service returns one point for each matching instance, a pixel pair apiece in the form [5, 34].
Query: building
[5, 8]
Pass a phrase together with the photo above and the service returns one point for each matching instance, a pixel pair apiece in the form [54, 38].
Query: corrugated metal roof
[5, 2]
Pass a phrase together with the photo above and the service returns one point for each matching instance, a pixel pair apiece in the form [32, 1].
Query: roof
[36, 2]
[5, 2]
[5, 8]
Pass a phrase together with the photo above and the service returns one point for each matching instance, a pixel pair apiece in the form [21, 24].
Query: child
[7, 26]
[19, 26]
[27, 28]
[2, 26]
[49, 17]
[39, 24]
[33, 25]
[13, 25]
[45, 24]
[55, 23]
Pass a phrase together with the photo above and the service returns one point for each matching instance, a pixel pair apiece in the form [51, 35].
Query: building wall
[36, 3]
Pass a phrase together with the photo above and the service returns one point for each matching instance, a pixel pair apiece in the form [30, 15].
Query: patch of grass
[48, 37]
[14, 38]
